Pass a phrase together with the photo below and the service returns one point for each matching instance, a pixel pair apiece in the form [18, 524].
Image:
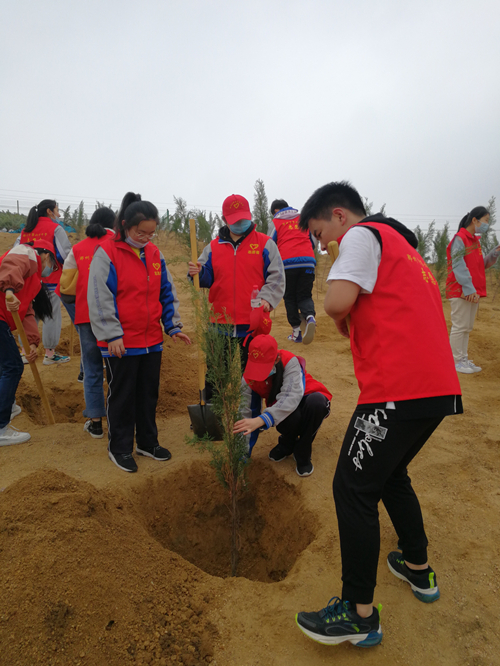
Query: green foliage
[440, 242]
[489, 239]
[260, 214]
[78, 218]
[425, 241]
[229, 457]
[10, 220]
[206, 226]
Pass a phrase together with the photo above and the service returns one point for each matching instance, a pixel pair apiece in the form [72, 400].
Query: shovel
[34, 369]
[203, 420]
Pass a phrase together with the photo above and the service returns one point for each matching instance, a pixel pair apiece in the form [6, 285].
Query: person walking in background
[41, 225]
[130, 291]
[21, 270]
[466, 282]
[74, 287]
[296, 403]
[395, 306]
[296, 248]
[234, 265]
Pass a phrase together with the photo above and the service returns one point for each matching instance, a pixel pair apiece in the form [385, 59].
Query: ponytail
[478, 212]
[133, 210]
[102, 219]
[38, 211]
[42, 305]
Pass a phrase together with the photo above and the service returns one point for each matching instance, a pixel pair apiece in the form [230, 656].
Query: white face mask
[135, 244]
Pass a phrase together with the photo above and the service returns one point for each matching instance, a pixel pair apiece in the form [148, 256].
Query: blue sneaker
[423, 585]
[310, 330]
[338, 622]
[295, 337]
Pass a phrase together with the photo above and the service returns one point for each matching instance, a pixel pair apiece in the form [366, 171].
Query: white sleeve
[358, 260]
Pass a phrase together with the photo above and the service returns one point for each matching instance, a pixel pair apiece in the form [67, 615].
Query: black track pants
[299, 429]
[298, 294]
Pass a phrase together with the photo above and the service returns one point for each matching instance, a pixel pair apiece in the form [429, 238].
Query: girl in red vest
[42, 225]
[296, 403]
[74, 286]
[466, 282]
[21, 270]
[130, 295]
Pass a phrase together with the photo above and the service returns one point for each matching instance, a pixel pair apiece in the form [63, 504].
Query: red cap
[41, 244]
[236, 208]
[260, 322]
[262, 354]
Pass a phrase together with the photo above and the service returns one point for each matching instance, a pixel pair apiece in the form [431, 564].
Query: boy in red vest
[296, 248]
[408, 384]
[296, 403]
[239, 260]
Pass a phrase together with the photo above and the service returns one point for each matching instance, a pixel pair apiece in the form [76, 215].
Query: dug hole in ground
[103, 568]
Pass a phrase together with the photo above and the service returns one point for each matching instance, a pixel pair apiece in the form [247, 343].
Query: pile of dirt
[84, 584]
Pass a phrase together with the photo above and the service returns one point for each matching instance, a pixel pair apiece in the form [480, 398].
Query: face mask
[240, 227]
[273, 372]
[135, 244]
[47, 271]
[482, 228]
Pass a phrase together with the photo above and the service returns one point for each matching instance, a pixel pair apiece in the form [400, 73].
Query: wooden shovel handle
[196, 281]
[34, 369]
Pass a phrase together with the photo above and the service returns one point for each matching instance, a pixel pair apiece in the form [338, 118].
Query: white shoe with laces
[10, 435]
[464, 367]
[16, 410]
[475, 368]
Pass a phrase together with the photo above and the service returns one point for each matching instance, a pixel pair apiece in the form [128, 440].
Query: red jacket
[312, 385]
[83, 253]
[399, 339]
[236, 271]
[45, 229]
[474, 260]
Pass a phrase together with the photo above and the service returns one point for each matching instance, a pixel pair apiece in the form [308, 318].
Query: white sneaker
[56, 358]
[464, 367]
[16, 409]
[10, 435]
[474, 367]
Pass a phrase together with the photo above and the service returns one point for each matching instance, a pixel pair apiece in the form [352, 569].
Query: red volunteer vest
[44, 229]
[473, 258]
[292, 241]
[236, 271]
[83, 253]
[312, 385]
[399, 339]
[32, 286]
[137, 293]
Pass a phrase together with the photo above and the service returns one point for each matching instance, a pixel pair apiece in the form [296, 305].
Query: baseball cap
[262, 354]
[236, 208]
[260, 322]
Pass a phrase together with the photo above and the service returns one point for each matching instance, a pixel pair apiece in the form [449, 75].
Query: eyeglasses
[144, 236]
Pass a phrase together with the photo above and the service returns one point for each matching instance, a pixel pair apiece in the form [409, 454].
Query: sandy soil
[102, 568]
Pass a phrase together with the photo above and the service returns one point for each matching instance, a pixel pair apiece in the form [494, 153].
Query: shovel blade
[204, 422]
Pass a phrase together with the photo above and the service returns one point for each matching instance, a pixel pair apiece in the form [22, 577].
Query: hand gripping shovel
[203, 419]
[34, 369]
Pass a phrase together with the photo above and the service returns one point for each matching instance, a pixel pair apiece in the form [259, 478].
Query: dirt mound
[84, 584]
[271, 540]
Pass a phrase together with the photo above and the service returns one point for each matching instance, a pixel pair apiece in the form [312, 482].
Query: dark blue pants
[11, 370]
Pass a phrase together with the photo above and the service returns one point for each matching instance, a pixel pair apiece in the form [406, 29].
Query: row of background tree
[432, 242]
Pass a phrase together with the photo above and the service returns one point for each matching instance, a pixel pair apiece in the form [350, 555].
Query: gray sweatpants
[51, 328]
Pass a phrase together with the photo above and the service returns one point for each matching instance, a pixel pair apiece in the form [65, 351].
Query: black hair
[42, 304]
[320, 204]
[277, 382]
[102, 219]
[478, 212]
[39, 211]
[278, 204]
[133, 211]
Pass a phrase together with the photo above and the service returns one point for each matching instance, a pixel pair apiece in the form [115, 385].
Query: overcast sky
[199, 98]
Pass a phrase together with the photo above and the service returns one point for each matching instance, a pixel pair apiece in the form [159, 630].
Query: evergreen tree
[489, 239]
[440, 242]
[425, 240]
[260, 213]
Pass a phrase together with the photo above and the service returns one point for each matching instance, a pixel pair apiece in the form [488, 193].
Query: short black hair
[278, 204]
[320, 204]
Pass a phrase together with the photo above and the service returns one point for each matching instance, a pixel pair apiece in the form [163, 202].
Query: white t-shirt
[358, 260]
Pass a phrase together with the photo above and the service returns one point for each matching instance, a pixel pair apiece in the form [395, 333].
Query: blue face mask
[47, 271]
[240, 227]
[482, 228]
[273, 372]
[136, 244]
